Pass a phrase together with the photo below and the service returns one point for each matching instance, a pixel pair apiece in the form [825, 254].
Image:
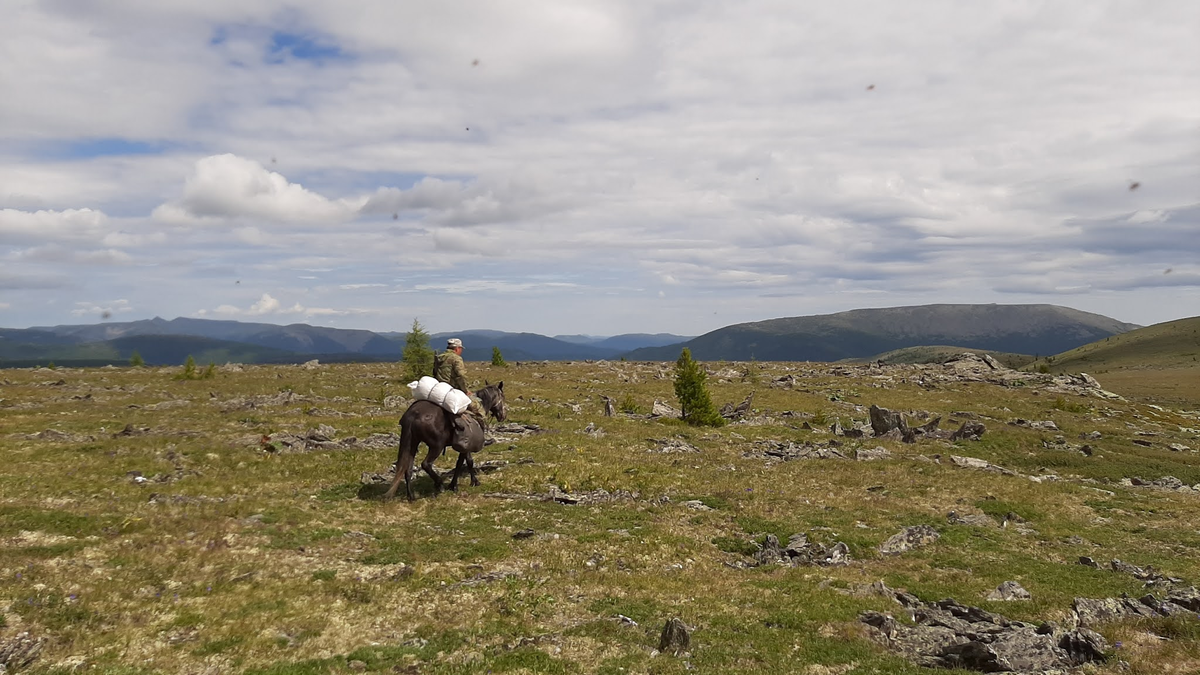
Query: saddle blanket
[441, 393]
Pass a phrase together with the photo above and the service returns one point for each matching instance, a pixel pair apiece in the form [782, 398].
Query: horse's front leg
[471, 468]
[427, 465]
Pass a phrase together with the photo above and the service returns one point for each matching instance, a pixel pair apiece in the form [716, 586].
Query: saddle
[468, 434]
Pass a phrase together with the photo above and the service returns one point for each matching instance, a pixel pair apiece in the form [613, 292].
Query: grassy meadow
[151, 524]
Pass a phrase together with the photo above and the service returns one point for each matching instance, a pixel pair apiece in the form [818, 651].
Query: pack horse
[429, 423]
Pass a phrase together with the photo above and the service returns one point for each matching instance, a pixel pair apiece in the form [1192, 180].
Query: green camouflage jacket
[449, 367]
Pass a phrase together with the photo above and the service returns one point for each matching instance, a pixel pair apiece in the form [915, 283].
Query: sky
[573, 167]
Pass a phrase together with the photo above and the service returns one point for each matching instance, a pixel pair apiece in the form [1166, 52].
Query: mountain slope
[1173, 344]
[300, 338]
[155, 350]
[861, 333]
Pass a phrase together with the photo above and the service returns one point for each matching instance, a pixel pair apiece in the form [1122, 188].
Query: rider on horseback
[448, 367]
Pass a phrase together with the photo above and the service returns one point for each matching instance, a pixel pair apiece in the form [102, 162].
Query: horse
[427, 422]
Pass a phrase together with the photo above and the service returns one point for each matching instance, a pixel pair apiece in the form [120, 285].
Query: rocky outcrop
[947, 634]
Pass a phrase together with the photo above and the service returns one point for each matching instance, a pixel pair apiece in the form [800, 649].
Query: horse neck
[490, 398]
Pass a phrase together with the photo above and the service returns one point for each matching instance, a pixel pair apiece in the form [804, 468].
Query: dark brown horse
[427, 422]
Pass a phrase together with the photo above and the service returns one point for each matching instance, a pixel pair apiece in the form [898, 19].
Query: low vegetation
[1156, 363]
[154, 524]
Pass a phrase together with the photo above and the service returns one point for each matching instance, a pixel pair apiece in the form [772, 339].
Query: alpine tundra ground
[153, 524]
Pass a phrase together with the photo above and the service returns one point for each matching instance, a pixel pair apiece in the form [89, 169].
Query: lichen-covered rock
[909, 538]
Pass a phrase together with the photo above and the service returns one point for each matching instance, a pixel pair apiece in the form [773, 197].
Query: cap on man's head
[453, 343]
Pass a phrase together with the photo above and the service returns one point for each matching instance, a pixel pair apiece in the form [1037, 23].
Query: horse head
[491, 397]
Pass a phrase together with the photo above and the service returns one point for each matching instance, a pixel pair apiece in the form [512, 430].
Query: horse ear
[485, 383]
[500, 385]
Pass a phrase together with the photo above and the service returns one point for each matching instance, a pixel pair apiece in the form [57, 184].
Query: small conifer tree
[497, 358]
[418, 355]
[694, 399]
[189, 369]
[136, 360]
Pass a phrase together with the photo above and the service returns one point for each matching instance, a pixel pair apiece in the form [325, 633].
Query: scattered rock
[799, 552]
[321, 438]
[947, 634]
[914, 536]
[1044, 425]
[56, 436]
[523, 534]
[974, 463]
[732, 412]
[972, 519]
[697, 505]
[863, 454]
[884, 420]
[1179, 447]
[1164, 483]
[661, 409]
[19, 651]
[671, 445]
[675, 638]
[1009, 590]
[787, 450]
[1151, 576]
[969, 431]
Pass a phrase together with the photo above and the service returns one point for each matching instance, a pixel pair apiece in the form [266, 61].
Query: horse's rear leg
[404, 467]
[427, 465]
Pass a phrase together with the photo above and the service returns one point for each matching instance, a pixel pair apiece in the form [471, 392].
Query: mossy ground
[230, 558]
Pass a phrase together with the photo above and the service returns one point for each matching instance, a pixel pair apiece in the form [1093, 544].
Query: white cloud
[228, 186]
[103, 310]
[18, 227]
[267, 306]
[1148, 216]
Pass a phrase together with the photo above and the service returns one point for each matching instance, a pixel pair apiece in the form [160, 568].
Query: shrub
[418, 355]
[136, 360]
[190, 372]
[629, 405]
[497, 358]
[694, 399]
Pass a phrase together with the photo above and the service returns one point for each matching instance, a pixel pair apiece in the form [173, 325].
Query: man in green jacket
[448, 367]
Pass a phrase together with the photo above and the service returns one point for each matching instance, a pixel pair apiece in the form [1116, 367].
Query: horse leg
[404, 466]
[430, 458]
[471, 467]
[457, 470]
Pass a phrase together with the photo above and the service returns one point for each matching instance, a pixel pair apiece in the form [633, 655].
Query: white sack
[456, 401]
[441, 393]
[438, 393]
[421, 388]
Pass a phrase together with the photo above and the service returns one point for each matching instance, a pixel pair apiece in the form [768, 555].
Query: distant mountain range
[864, 333]
[162, 342]
[861, 333]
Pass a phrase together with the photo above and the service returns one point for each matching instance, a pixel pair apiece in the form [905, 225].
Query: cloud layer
[595, 167]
